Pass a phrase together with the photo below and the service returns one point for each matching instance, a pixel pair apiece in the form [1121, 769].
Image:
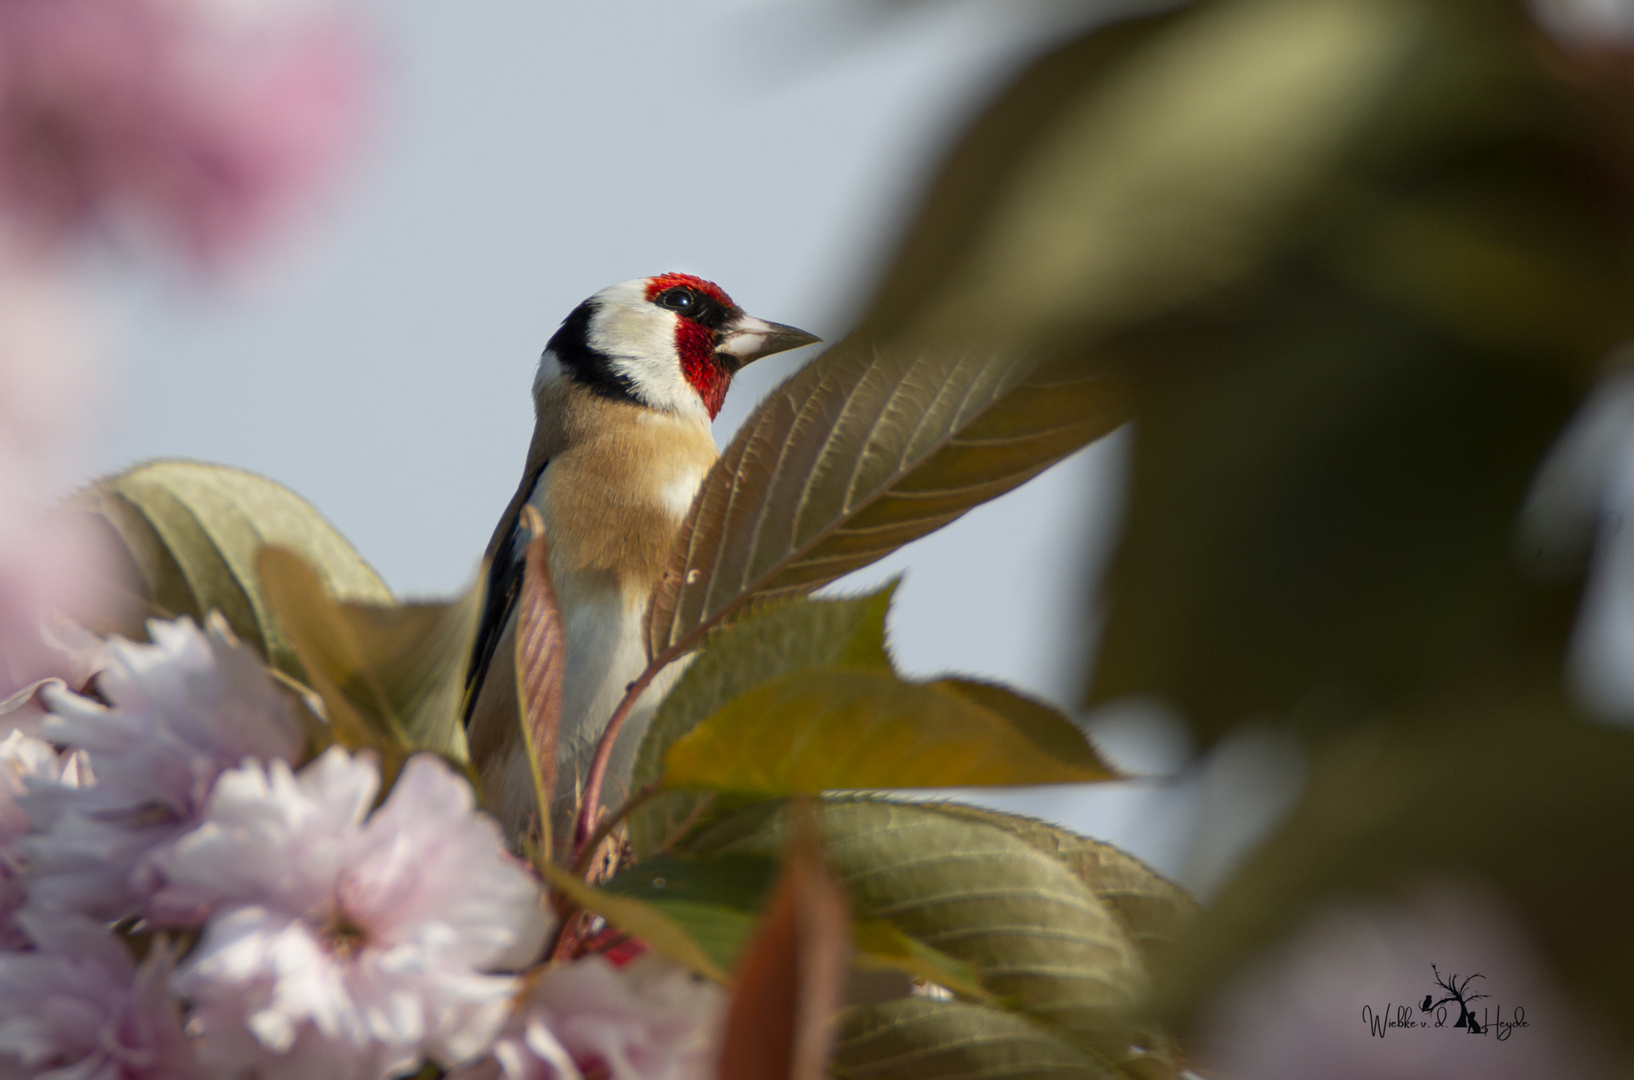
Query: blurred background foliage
[1354, 264]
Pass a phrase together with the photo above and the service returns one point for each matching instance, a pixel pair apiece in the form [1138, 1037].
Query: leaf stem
[587, 854]
[590, 805]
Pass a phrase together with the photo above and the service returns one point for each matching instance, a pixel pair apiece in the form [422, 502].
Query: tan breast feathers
[618, 485]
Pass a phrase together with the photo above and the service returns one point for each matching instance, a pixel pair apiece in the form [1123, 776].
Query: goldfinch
[623, 400]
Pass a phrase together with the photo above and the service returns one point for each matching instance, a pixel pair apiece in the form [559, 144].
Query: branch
[587, 854]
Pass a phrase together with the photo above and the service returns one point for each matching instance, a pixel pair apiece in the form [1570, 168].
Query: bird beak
[746, 339]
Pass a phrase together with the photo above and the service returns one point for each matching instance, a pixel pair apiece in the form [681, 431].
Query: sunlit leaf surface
[1033, 933]
[839, 729]
[784, 638]
[860, 452]
[1155, 911]
[193, 532]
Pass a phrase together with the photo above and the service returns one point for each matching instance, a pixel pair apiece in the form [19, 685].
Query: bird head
[670, 342]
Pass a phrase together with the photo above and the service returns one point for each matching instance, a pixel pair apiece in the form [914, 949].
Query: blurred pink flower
[182, 710]
[201, 121]
[76, 1007]
[50, 562]
[650, 1020]
[23, 759]
[1310, 1007]
[346, 948]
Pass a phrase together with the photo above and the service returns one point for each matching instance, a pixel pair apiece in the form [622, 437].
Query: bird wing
[507, 559]
[504, 585]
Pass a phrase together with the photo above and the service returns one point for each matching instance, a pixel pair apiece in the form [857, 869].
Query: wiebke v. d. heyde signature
[1432, 1012]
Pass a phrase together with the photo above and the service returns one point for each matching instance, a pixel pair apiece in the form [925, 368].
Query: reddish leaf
[541, 653]
[792, 974]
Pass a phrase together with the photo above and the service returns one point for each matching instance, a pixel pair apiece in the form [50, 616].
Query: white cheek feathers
[638, 339]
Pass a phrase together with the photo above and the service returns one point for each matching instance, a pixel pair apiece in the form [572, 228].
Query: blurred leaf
[780, 1024]
[640, 919]
[1154, 910]
[1033, 933]
[541, 660]
[390, 677]
[838, 729]
[1142, 168]
[740, 881]
[847, 632]
[881, 945]
[1329, 458]
[193, 532]
[1462, 790]
[860, 452]
[1043, 725]
[716, 901]
[915, 1039]
[1323, 537]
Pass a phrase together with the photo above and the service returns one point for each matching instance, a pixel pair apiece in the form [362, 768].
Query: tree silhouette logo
[1454, 990]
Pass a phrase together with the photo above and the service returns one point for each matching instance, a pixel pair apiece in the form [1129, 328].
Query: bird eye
[682, 300]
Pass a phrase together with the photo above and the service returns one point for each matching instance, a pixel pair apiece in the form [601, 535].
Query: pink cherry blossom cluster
[182, 895]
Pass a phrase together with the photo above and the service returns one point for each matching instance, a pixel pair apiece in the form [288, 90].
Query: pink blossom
[194, 120]
[76, 1007]
[650, 1020]
[182, 709]
[23, 759]
[343, 947]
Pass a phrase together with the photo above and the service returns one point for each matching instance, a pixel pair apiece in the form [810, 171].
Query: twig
[587, 853]
[590, 805]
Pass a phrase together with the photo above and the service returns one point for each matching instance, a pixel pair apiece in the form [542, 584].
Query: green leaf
[1171, 165]
[716, 901]
[816, 731]
[391, 677]
[860, 452]
[882, 945]
[1044, 726]
[638, 918]
[916, 1039]
[1155, 911]
[740, 881]
[848, 632]
[1032, 932]
[193, 532]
